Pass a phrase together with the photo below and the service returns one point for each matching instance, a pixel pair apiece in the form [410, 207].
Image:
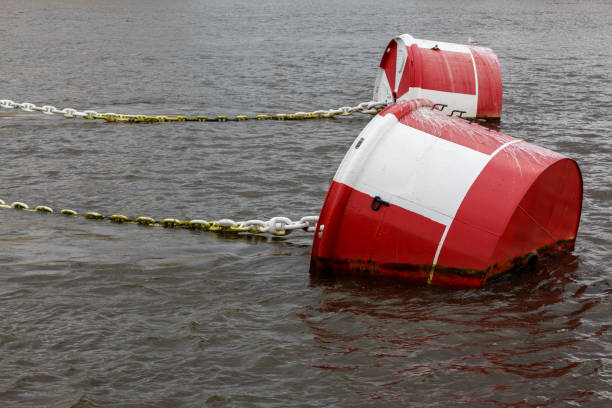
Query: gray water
[94, 314]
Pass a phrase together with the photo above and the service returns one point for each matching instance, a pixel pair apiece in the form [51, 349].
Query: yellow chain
[225, 225]
[371, 108]
[238, 118]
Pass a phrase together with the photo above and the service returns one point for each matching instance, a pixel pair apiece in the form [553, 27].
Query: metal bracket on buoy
[439, 106]
[460, 113]
[378, 202]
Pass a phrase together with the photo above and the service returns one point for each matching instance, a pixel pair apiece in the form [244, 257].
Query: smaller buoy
[463, 77]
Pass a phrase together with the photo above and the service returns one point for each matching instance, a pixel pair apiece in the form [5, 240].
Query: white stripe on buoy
[455, 100]
[420, 172]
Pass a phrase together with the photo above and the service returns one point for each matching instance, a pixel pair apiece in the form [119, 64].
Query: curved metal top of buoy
[466, 78]
[436, 199]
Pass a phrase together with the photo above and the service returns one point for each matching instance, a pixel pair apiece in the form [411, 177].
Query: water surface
[97, 314]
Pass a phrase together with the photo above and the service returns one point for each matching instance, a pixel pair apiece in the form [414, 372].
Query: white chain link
[275, 226]
[371, 108]
[48, 109]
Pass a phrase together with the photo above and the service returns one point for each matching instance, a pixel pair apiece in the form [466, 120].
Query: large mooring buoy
[437, 199]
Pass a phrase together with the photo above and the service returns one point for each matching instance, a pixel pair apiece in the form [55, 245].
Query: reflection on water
[519, 329]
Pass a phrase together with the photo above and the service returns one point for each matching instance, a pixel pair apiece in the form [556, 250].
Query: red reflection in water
[482, 346]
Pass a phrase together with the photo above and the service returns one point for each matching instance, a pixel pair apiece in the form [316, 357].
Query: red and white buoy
[433, 198]
[467, 79]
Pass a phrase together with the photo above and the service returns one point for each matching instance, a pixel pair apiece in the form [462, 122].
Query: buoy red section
[462, 78]
[437, 199]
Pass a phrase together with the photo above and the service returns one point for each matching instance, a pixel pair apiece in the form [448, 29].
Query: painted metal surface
[439, 200]
[466, 78]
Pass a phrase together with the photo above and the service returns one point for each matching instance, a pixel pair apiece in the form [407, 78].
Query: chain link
[371, 108]
[279, 226]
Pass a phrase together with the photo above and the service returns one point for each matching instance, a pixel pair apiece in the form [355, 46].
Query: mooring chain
[371, 108]
[278, 226]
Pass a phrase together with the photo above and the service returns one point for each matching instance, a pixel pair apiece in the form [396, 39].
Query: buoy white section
[465, 104]
[411, 168]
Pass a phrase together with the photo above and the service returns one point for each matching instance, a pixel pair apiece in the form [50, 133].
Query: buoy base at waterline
[444, 276]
